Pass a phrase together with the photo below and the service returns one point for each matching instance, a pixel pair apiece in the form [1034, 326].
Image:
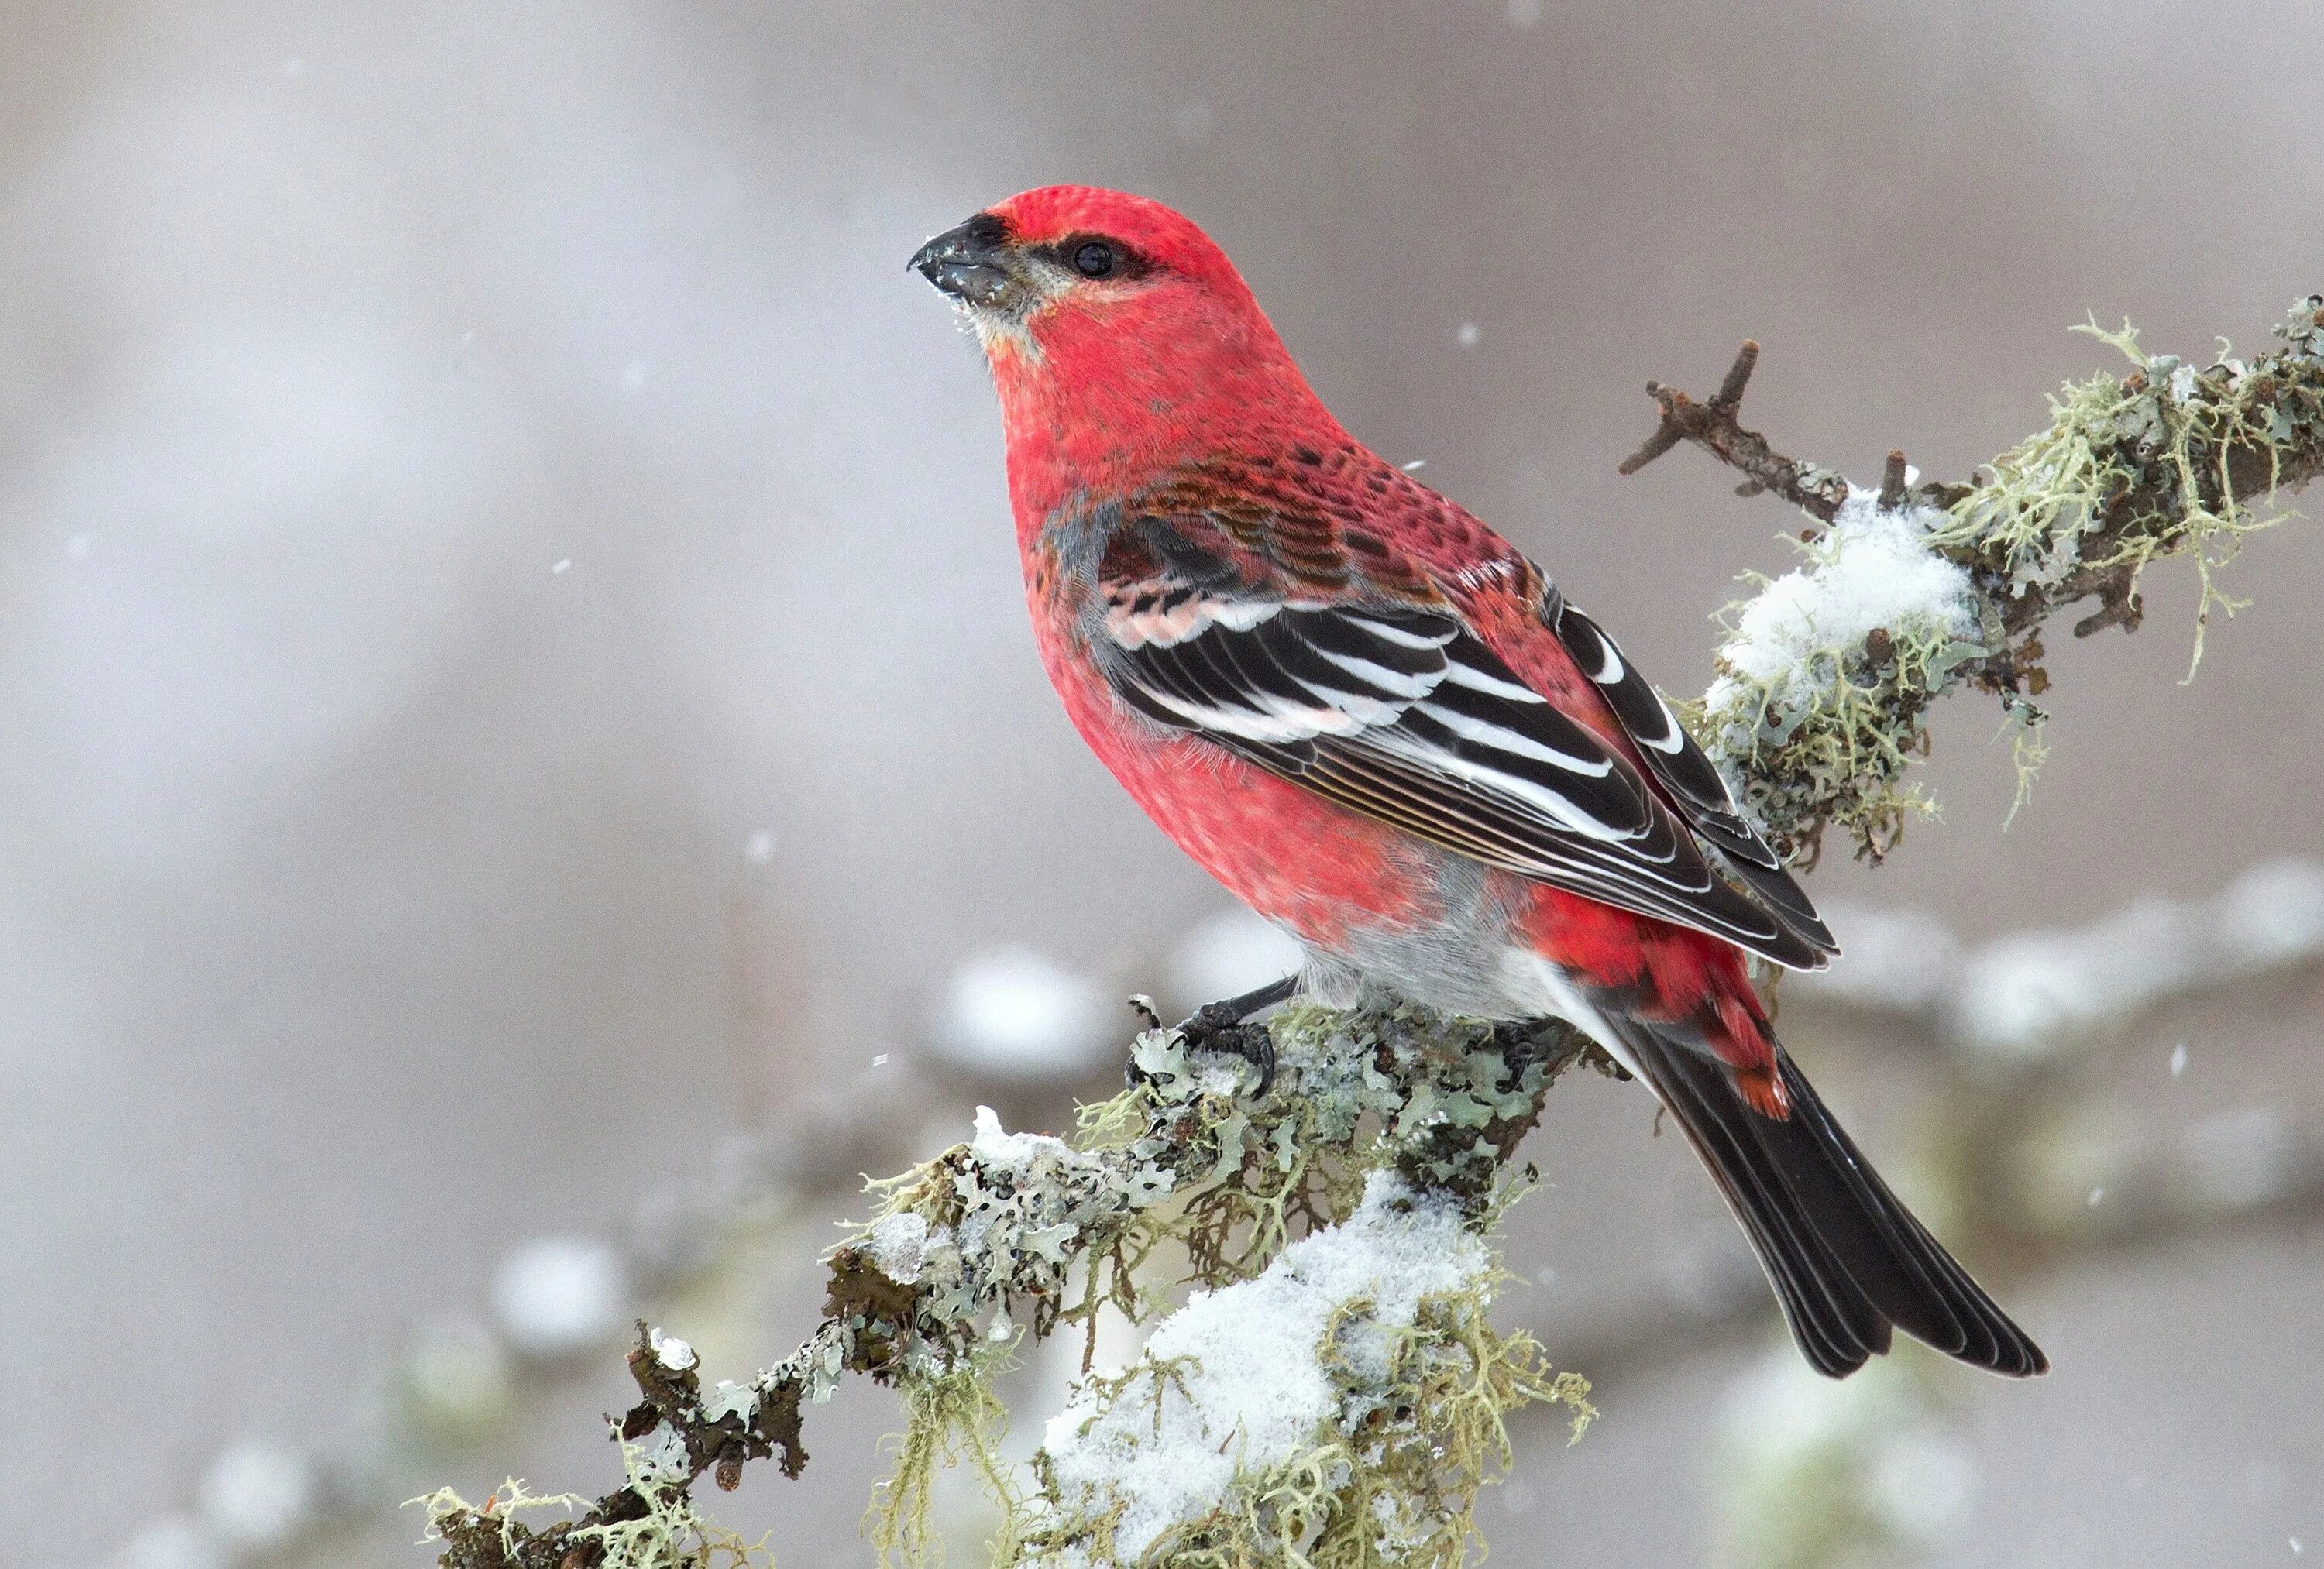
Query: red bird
[1388, 733]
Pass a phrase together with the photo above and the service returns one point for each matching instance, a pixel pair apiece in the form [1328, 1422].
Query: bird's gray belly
[1462, 961]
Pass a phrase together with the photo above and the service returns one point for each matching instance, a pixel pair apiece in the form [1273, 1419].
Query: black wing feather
[1403, 715]
[1701, 795]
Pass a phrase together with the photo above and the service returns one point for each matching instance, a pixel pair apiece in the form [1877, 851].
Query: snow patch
[1871, 569]
[899, 1246]
[1002, 1150]
[1238, 1386]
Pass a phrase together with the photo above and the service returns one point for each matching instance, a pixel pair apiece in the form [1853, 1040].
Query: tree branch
[1817, 718]
[992, 1231]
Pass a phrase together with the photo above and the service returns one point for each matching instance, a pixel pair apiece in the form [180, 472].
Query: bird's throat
[1091, 418]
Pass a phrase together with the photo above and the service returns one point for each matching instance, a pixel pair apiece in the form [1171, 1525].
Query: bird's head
[1045, 263]
[1118, 332]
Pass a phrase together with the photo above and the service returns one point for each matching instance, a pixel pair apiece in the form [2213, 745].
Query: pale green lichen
[661, 1531]
[951, 1417]
[1825, 674]
[2171, 460]
[2131, 471]
[499, 1518]
[1186, 1166]
[1343, 1407]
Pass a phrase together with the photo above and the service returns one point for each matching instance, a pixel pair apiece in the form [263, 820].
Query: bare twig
[1892, 481]
[1714, 427]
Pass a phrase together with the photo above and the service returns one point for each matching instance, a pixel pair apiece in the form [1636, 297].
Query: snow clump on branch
[1822, 682]
[1872, 571]
[1241, 1380]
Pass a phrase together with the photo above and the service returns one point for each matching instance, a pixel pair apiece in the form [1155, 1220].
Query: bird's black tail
[1847, 1260]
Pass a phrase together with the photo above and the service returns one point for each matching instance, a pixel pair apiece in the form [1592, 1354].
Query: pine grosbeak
[1390, 734]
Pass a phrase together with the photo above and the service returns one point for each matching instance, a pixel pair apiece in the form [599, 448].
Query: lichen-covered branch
[1379, 1124]
[1920, 587]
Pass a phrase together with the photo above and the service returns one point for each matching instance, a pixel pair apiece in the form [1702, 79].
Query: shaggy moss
[1394, 1481]
[1840, 755]
[950, 1417]
[1816, 715]
[659, 1528]
[2131, 471]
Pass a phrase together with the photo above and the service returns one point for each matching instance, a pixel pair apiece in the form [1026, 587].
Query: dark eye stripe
[1094, 256]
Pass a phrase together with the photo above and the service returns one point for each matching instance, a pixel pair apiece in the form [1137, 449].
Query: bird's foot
[1222, 1027]
[1218, 1027]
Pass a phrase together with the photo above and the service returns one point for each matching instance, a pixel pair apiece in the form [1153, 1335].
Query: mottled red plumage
[1383, 728]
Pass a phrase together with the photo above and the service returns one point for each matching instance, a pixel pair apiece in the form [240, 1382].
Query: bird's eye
[1094, 259]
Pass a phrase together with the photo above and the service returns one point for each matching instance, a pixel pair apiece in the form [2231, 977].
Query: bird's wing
[1385, 701]
[1692, 785]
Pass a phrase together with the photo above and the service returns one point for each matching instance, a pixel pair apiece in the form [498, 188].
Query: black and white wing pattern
[1400, 713]
[1701, 795]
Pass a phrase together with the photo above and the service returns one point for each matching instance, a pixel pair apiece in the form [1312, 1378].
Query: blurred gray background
[512, 670]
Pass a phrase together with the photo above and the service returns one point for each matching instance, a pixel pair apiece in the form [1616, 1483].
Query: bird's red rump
[1661, 972]
[1742, 1041]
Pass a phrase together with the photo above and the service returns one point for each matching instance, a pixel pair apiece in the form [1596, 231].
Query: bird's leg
[1221, 1027]
[1235, 1010]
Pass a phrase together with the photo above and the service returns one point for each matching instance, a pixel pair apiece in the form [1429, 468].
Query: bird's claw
[1215, 1027]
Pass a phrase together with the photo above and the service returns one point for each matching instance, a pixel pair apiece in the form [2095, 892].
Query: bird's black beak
[972, 263]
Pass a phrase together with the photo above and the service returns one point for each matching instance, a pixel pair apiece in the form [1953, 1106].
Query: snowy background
[512, 671]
